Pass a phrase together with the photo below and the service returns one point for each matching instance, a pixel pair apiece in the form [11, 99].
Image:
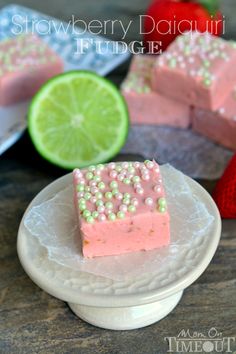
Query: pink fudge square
[26, 62]
[145, 105]
[121, 208]
[220, 125]
[198, 69]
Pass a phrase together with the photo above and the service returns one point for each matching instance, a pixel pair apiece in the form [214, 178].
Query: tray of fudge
[33, 48]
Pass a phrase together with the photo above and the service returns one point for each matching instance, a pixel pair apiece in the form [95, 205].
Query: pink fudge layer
[121, 208]
[198, 69]
[26, 63]
[145, 105]
[220, 126]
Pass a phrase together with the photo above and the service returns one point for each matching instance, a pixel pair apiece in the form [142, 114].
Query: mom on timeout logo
[212, 341]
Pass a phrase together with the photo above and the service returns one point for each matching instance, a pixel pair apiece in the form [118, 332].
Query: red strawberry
[224, 193]
[166, 19]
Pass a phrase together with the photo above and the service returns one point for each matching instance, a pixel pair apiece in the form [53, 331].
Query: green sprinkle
[127, 196]
[206, 63]
[82, 206]
[99, 202]
[80, 187]
[136, 179]
[112, 216]
[233, 44]
[131, 169]
[101, 185]
[115, 191]
[87, 196]
[86, 213]
[87, 188]
[162, 202]
[97, 178]
[118, 168]
[98, 195]
[131, 208]
[172, 63]
[187, 50]
[100, 166]
[113, 184]
[108, 195]
[82, 201]
[92, 168]
[89, 175]
[120, 215]
[90, 219]
[126, 181]
[126, 201]
[95, 214]
[146, 89]
[162, 209]
[207, 82]
[109, 205]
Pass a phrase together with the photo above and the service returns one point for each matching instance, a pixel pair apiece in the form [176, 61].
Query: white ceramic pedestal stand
[118, 305]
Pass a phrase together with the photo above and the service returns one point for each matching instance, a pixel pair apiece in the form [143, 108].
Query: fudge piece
[145, 105]
[26, 62]
[198, 69]
[121, 208]
[220, 126]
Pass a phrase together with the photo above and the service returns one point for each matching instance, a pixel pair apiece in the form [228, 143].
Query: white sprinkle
[150, 165]
[137, 185]
[93, 199]
[81, 181]
[145, 177]
[101, 209]
[139, 190]
[108, 211]
[80, 194]
[113, 174]
[92, 183]
[112, 165]
[125, 165]
[192, 73]
[134, 201]
[101, 217]
[180, 58]
[222, 110]
[97, 172]
[119, 196]
[123, 208]
[129, 175]
[136, 164]
[148, 201]
[120, 177]
[157, 188]
[94, 190]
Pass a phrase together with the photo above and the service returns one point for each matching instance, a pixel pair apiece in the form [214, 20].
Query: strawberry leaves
[212, 6]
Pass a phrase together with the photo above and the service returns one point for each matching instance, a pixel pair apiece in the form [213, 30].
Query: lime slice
[78, 119]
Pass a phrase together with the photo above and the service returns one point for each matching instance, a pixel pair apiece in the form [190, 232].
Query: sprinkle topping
[24, 52]
[139, 78]
[197, 54]
[111, 197]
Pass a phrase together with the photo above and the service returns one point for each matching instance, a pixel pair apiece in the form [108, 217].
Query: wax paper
[54, 224]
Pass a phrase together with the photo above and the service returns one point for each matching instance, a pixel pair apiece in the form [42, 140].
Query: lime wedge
[77, 119]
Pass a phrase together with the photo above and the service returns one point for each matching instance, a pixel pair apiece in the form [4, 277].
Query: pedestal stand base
[125, 318]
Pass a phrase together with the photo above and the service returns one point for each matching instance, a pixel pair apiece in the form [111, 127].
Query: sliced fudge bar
[26, 62]
[220, 126]
[198, 69]
[121, 208]
[145, 105]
